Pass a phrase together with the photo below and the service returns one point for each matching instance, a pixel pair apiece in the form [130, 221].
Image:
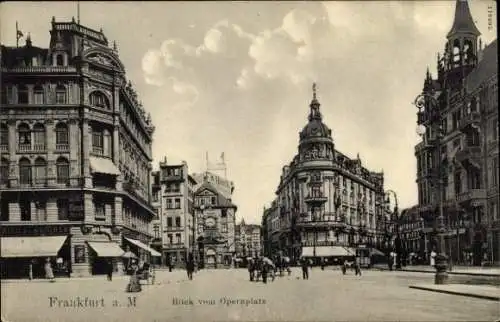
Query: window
[39, 137]
[62, 209]
[59, 60]
[41, 210]
[458, 182]
[4, 171]
[24, 134]
[38, 94]
[169, 236]
[60, 94]
[99, 210]
[62, 137]
[177, 221]
[106, 143]
[223, 213]
[4, 137]
[24, 171]
[25, 209]
[177, 203]
[99, 99]
[212, 200]
[40, 171]
[4, 210]
[169, 222]
[169, 203]
[97, 141]
[22, 95]
[62, 166]
[224, 228]
[178, 238]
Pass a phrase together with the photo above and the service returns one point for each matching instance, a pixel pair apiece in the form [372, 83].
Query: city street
[213, 296]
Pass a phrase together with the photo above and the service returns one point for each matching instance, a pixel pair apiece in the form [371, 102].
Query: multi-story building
[248, 240]
[411, 228]
[156, 230]
[176, 199]
[215, 216]
[463, 152]
[75, 161]
[325, 200]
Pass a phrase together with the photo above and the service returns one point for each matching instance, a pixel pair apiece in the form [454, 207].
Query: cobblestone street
[326, 296]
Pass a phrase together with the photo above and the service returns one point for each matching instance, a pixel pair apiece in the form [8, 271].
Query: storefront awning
[144, 246]
[326, 251]
[103, 165]
[106, 249]
[46, 246]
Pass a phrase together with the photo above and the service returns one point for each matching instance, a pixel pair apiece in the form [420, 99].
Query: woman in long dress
[49, 274]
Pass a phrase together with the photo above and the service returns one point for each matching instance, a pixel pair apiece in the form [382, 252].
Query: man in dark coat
[251, 269]
[190, 266]
[109, 269]
[305, 268]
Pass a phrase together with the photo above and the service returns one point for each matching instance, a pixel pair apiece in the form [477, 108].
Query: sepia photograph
[249, 161]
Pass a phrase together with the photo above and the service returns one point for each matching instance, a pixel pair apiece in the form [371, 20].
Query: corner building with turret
[75, 168]
[326, 203]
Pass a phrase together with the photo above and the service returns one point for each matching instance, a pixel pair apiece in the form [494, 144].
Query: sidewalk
[478, 291]
[458, 270]
[161, 276]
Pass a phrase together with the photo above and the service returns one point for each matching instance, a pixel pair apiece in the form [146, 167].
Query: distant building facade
[248, 240]
[75, 165]
[215, 216]
[176, 212]
[466, 91]
[325, 201]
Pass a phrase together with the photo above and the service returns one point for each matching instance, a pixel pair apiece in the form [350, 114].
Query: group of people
[266, 268]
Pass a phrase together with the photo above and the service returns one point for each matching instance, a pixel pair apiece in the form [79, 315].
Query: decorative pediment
[206, 192]
[104, 59]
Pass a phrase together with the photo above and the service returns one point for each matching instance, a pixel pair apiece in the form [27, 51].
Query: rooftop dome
[315, 128]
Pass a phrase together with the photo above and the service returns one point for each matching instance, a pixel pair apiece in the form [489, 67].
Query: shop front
[143, 252]
[103, 254]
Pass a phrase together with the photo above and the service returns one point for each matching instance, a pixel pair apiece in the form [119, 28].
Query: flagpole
[78, 12]
[17, 35]
[206, 158]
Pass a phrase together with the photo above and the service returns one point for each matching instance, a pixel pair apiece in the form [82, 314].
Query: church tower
[461, 50]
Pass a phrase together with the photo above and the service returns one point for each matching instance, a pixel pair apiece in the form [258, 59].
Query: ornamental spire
[463, 21]
[315, 113]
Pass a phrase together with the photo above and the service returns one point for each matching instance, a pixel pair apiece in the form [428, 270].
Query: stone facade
[324, 198]
[75, 143]
[248, 240]
[465, 157]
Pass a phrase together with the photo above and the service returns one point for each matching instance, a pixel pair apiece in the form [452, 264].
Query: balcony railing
[39, 147]
[175, 245]
[24, 147]
[318, 243]
[174, 228]
[97, 150]
[132, 189]
[32, 148]
[172, 177]
[315, 198]
[4, 148]
[62, 147]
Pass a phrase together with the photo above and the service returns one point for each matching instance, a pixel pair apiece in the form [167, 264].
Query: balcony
[469, 156]
[315, 199]
[62, 147]
[172, 178]
[318, 243]
[468, 197]
[133, 190]
[468, 121]
[4, 148]
[169, 229]
[174, 245]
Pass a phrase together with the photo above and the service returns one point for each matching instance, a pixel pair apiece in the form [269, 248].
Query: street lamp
[429, 113]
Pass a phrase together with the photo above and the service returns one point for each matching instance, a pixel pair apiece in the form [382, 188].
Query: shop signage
[39, 230]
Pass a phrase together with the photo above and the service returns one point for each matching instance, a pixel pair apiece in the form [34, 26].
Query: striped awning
[325, 251]
[103, 165]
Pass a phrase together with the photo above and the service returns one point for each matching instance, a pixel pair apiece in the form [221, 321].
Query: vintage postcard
[249, 161]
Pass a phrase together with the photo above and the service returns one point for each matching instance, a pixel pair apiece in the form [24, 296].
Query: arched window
[24, 171]
[99, 99]
[107, 148]
[39, 137]
[59, 60]
[4, 171]
[38, 95]
[62, 137]
[4, 137]
[40, 171]
[62, 165]
[24, 134]
[60, 94]
[22, 95]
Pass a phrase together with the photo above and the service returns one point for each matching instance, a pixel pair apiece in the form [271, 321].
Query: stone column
[118, 211]
[14, 164]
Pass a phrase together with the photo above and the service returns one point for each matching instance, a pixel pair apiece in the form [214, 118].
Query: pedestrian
[357, 266]
[433, 258]
[323, 262]
[109, 269]
[190, 266]
[305, 268]
[251, 269]
[49, 274]
[30, 270]
[390, 260]
[169, 264]
[264, 271]
[344, 267]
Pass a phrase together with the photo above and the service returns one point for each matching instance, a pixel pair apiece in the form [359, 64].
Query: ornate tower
[461, 50]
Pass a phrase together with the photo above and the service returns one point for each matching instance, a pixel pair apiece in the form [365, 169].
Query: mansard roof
[485, 69]
[222, 202]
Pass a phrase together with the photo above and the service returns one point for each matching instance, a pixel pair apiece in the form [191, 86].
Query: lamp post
[429, 114]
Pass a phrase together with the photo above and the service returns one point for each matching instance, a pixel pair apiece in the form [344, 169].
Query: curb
[479, 296]
[449, 273]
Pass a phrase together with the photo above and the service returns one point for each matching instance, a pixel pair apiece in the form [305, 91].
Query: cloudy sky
[236, 77]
